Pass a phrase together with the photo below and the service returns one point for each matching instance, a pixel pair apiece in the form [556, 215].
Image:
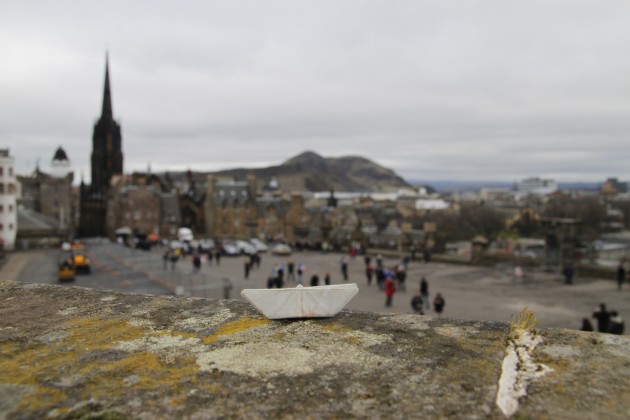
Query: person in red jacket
[390, 289]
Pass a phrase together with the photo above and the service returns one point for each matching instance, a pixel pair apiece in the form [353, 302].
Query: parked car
[259, 245]
[281, 249]
[229, 249]
[207, 244]
[245, 247]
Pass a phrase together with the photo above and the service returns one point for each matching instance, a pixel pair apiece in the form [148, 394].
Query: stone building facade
[139, 203]
[229, 208]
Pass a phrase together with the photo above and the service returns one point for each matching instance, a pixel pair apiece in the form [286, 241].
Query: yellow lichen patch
[353, 340]
[42, 398]
[279, 336]
[25, 366]
[96, 333]
[148, 369]
[242, 324]
[335, 328]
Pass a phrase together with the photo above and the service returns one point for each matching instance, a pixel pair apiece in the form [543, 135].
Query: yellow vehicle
[65, 268]
[80, 260]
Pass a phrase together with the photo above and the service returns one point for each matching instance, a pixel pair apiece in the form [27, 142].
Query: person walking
[621, 275]
[344, 268]
[248, 266]
[379, 261]
[165, 258]
[196, 261]
[438, 304]
[424, 292]
[299, 273]
[568, 273]
[314, 280]
[401, 276]
[369, 272]
[174, 258]
[291, 271]
[390, 289]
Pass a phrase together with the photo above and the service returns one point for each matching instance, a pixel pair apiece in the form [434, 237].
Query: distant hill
[311, 172]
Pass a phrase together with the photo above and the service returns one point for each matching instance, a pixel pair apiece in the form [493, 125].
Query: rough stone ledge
[82, 353]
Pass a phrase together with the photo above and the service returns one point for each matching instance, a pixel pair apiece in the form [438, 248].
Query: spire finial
[107, 97]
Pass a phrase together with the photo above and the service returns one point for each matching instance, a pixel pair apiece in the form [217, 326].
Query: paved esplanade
[474, 293]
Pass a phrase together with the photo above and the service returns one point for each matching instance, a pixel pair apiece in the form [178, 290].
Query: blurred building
[8, 200]
[142, 205]
[536, 185]
[46, 204]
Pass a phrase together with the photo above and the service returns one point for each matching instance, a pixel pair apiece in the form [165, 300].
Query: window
[11, 188]
[10, 170]
[1, 170]
[1, 188]
[10, 226]
[1, 227]
[1, 208]
[10, 208]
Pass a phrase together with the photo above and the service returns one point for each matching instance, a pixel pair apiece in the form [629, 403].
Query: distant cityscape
[314, 202]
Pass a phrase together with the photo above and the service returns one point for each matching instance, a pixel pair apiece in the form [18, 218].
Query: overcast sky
[460, 90]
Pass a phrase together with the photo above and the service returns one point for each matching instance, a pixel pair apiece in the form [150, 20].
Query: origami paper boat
[301, 302]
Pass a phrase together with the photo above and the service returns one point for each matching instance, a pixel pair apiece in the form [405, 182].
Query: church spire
[107, 97]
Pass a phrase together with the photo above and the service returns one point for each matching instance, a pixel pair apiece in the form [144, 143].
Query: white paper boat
[301, 302]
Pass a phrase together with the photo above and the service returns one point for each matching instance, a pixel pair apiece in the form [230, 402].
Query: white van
[184, 234]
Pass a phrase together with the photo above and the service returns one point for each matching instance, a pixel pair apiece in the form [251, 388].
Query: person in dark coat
[438, 304]
[369, 272]
[424, 292]
[603, 317]
[621, 276]
[248, 265]
[344, 268]
[586, 325]
[290, 271]
[568, 274]
[315, 280]
[416, 304]
[327, 279]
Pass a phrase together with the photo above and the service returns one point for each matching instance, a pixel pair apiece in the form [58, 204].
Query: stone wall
[72, 352]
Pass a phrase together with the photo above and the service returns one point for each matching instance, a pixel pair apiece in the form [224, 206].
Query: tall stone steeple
[107, 96]
[107, 157]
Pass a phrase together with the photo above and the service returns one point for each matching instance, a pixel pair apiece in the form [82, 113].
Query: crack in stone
[518, 370]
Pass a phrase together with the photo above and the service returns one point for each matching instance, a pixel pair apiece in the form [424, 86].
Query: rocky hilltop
[311, 172]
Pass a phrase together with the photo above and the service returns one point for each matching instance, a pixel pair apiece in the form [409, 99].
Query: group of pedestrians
[607, 322]
[420, 300]
[294, 272]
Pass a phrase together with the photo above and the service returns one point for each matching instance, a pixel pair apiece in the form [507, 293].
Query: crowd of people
[390, 279]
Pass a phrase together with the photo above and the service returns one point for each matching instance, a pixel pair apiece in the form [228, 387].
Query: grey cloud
[449, 89]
